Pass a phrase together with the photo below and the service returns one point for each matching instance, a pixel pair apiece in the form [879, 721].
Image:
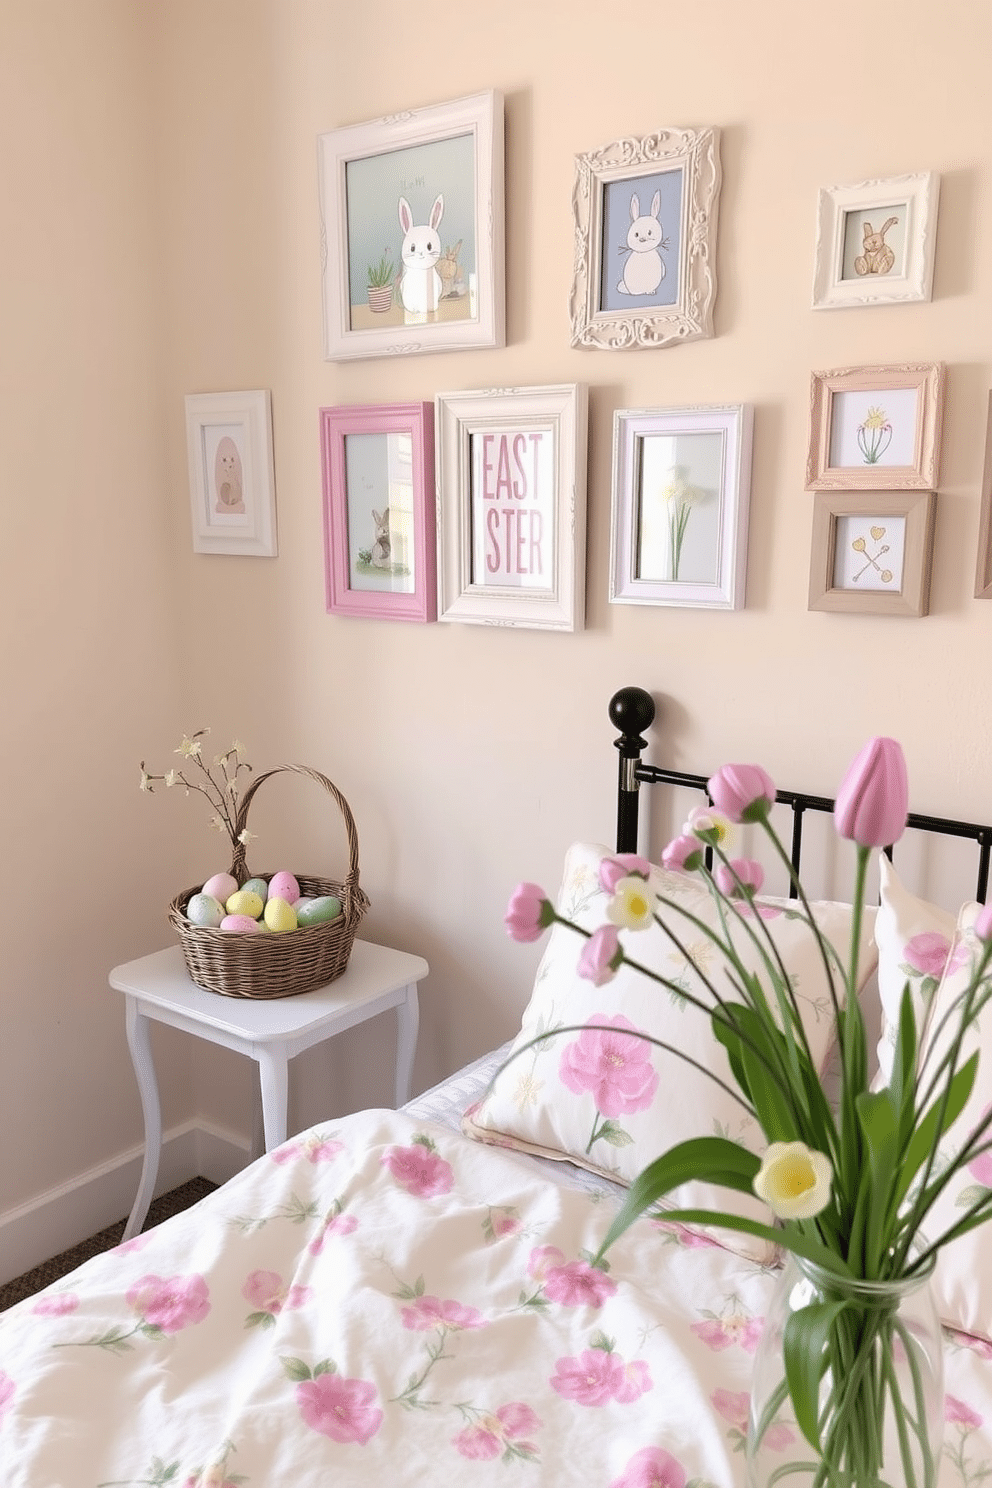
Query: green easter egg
[319, 911]
[256, 886]
[204, 910]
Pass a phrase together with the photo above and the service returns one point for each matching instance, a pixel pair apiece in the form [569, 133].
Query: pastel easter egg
[257, 886]
[221, 886]
[204, 910]
[244, 902]
[319, 911]
[240, 923]
[299, 903]
[279, 916]
[284, 886]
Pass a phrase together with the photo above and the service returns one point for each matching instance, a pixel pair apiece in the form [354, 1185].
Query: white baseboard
[64, 1216]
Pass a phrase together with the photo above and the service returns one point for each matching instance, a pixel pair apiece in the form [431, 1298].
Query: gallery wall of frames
[469, 507]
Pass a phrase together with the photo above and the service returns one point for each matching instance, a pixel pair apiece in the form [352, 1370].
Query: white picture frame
[231, 473]
[431, 177]
[875, 242]
[667, 183]
[511, 474]
[669, 466]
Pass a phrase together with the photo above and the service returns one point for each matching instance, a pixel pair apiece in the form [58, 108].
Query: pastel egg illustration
[221, 886]
[244, 902]
[257, 886]
[240, 923]
[284, 886]
[279, 916]
[319, 911]
[228, 477]
[204, 910]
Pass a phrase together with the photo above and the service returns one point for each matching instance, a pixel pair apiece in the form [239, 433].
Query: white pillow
[914, 941]
[963, 1279]
[547, 1099]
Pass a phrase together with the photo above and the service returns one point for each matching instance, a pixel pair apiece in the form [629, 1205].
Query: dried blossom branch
[218, 782]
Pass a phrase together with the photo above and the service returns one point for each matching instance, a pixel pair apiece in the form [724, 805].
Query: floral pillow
[914, 941]
[609, 1101]
[963, 1278]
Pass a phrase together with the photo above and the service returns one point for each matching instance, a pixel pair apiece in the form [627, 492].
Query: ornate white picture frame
[645, 215]
[875, 242]
[681, 493]
[511, 476]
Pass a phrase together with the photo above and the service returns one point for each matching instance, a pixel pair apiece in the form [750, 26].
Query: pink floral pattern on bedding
[612, 1063]
[418, 1308]
[7, 1388]
[346, 1410]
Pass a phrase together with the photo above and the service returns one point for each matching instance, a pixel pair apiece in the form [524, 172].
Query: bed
[408, 1296]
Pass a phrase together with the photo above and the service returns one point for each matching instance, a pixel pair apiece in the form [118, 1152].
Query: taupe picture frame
[872, 553]
[983, 571]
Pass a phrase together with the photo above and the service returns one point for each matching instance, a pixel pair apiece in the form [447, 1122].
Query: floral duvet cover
[384, 1301]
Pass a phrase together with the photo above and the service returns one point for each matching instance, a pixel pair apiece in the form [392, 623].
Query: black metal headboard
[632, 711]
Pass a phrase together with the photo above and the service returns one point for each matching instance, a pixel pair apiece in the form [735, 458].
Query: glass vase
[881, 1401]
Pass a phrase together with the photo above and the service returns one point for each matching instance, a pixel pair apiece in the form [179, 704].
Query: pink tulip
[683, 853]
[740, 875]
[622, 865]
[745, 793]
[529, 912]
[600, 956]
[983, 925]
[873, 800]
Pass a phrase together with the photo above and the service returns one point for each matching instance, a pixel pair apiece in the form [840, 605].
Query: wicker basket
[275, 965]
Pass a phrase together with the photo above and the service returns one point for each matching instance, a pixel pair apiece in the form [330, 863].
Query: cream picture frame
[511, 477]
[231, 473]
[875, 242]
[876, 428]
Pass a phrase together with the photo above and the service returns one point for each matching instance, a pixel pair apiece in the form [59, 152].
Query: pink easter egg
[284, 886]
[244, 923]
[221, 887]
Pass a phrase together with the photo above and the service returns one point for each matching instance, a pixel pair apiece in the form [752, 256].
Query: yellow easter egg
[279, 915]
[245, 902]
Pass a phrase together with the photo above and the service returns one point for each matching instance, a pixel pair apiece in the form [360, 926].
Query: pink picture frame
[380, 549]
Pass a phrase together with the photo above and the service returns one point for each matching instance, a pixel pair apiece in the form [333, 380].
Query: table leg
[257, 1118]
[144, 1068]
[407, 1024]
[273, 1075]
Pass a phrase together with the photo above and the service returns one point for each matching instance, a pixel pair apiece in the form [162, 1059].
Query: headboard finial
[632, 710]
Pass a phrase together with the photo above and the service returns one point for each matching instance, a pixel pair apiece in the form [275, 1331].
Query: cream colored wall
[471, 756]
[88, 584]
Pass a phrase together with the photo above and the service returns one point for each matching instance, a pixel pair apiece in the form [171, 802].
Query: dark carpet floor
[42, 1276]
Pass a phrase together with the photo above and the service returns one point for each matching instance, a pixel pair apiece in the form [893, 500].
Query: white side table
[269, 1030]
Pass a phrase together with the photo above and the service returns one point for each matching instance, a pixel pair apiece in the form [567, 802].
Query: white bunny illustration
[420, 287]
[644, 269]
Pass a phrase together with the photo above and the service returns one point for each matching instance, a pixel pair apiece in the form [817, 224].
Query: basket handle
[239, 867]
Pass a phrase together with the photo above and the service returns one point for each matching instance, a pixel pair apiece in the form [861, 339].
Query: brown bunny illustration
[450, 270]
[380, 556]
[877, 257]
